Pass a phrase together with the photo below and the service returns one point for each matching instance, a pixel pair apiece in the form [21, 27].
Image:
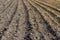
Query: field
[29, 20]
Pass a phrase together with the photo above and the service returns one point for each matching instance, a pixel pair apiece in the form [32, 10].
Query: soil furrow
[7, 6]
[51, 14]
[29, 20]
[48, 21]
[28, 27]
[43, 19]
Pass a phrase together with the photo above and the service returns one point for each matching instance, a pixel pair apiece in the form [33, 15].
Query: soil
[29, 20]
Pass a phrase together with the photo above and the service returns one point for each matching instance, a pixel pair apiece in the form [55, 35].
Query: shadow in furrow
[28, 27]
[2, 33]
[42, 37]
[27, 37]
[49, 29]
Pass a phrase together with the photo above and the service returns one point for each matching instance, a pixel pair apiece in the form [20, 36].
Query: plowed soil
[29, 20]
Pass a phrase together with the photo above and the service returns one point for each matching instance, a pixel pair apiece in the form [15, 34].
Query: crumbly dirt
[29, 20]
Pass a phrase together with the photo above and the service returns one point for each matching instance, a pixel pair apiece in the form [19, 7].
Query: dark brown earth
[29, 20]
